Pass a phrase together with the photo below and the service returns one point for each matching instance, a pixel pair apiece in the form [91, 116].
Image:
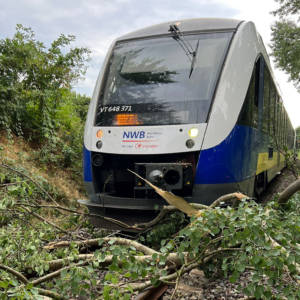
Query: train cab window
[159, 82]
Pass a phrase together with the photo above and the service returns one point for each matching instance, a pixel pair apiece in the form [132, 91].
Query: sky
[96, 23]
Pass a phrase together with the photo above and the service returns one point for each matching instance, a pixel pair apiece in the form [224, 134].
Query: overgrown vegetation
[36, 101]
[49, 249]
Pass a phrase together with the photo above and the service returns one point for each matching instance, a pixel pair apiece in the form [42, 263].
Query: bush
[36, 101]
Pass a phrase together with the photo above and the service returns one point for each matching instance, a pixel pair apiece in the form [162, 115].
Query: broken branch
[289, 192]
[228, 197]
[17, 274]
[95, 242]
[58, 207]
[46, 221]
[172, 199]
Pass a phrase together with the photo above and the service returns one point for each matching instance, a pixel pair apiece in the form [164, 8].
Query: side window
[279, 123]
[272, 109]
[266, 101]
[285, 128]
[282, 124]
[249, 113]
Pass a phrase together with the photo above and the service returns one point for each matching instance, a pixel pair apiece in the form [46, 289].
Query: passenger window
[272, 109]
[266, 101]
[249, 113]
[279, 124]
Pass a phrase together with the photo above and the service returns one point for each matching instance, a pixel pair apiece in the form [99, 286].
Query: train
[190, 105]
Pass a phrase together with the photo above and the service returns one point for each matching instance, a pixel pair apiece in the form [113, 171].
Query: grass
[17, 152]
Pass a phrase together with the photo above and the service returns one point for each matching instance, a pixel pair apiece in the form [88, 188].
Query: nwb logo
[134, 134]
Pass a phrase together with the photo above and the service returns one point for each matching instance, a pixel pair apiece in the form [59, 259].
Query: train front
[149, 114]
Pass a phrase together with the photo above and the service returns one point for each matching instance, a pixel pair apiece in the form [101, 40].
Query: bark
[24, 280]
[164, 211]
[154, 293]
[189, 266]
[55, 274]
[172, 259]
[56, 264]
[228, 198]
[17, 274]
[95, 242]
[289, 192]
[50, 294]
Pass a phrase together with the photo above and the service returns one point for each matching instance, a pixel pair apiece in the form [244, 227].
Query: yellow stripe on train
[265, 163]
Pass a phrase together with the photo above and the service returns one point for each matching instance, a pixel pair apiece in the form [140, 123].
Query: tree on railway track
[44, 258]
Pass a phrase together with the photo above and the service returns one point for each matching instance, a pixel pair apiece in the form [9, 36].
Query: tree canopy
[285, 41]
[36, 100]
[34, 78]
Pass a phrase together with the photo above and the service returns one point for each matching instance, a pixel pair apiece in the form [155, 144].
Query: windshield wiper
[185, 45]
[194, 59]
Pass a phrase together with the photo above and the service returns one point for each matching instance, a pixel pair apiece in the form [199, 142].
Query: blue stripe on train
[87, 170]
[233, 160]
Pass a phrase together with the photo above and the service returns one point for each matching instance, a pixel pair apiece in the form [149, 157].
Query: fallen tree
[232, 239]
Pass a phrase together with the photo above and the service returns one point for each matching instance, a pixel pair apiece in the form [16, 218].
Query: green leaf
[234, 277]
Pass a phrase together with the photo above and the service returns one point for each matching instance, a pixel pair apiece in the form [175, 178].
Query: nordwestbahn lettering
[134, 134]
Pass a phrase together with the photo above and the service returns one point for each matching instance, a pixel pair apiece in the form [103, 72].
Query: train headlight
[193, 132]
[190, 143]
[99, 144]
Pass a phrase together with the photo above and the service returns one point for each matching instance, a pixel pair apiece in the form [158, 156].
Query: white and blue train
[190, 105]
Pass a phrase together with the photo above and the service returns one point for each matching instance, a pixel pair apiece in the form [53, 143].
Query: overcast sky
[96, 23]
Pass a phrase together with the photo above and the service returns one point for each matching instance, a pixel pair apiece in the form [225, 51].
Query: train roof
[188, 25]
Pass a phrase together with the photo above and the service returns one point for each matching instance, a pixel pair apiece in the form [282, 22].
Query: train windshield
[149, 81]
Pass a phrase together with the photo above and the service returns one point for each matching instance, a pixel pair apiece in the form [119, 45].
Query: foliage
[33, 80]
[287, 7]
[170, 225]
[285, 39]
[224, 241]
[36, 101]
[64, 147]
